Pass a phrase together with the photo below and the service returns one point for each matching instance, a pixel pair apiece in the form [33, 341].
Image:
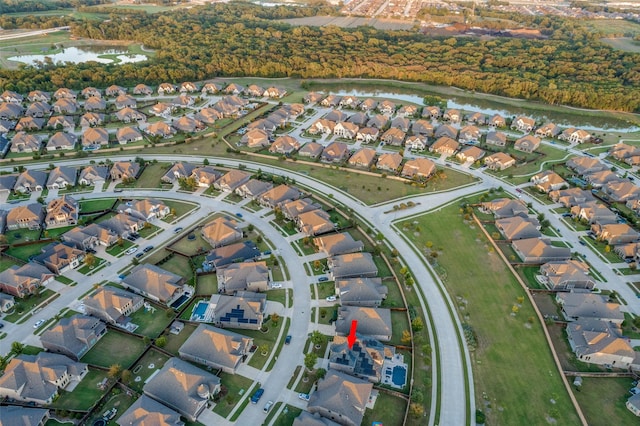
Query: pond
[590, 120]
[76, 55]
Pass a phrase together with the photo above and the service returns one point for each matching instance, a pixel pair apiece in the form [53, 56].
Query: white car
[276, 285]
[38, 323]
[331, 299]
[131, 250]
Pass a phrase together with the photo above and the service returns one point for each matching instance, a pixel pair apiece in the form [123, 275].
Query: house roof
[518, 227]
[95, 135]
[23, 416]
[22, 138]
[74, 333]
[356, 291]
[222, 256]
[444, 144]
[128, 133]
[215, 345]
[336, 244]
[127, 168]
[389, 161]
[312, 149]
[568, 271]
[588, 305]
[244, 307]
[285, 144]
[58, 255]
[352, 265]
[446, 130]
[154, 280]
[111, 301]
[506, 207]
[371, 321]
[539, 248]
[363, 156]
[280, 194]
[147, 411]
[315, 222]
[233, 179]
[238, 276]
[255, 187]
[307, 419]
[220, 229]
[591, 337]
[93, 173]
[30, 212]
[341, 394]
[335, 150]
[293, 209]
[418, 167]
[63, 174]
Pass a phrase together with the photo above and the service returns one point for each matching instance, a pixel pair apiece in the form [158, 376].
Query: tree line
[242, 39]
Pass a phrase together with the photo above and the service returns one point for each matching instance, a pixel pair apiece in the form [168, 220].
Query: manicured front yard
[260, 338]
[236, 386]
[287, 416]
[192, 247]
[178, 209]
[326, 289]
[475, 276]
[150, 323]
[23, 306]
[389, 410]
[278, 296]
[84, 395]
[118, 249]
[115, 348]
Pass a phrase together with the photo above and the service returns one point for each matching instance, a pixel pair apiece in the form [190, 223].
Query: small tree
[417, 324]
[114, 370]
[250, 228]
[416, 410]
[17, 348]
[317, 338]
[310, 360]
[406, 337]
[317, 265]
[125, 376]
[90, 260]
[161, 341]
[264, 349]
[275, 318]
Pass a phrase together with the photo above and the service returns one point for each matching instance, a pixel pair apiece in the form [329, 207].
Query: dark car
[1, 325]
[147, 249]
[139, 255]
[178, 229]
[287, 340]
[256, 396]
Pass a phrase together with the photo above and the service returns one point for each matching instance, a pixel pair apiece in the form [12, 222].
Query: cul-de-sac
[319, 213]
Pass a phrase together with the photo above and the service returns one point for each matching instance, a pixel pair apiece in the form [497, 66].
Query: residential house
[632, 404]
[182, 101]
[6, 126]
[73, 336]
[7, 302]
[505, 207]
[477, 118]
[91, 119]
[254, 90]
[95, 104]
[322, 126]
[162, 109]
[266, 124]
[548, 130]
[615, 233]
[499, 161]
[368, 104]
[574, 136]
[148, 209]
[155, 283]
[221, 231]
[142, 89]
[452, 115]
[129, 134]
[89, 92]
[577, 305]
[313, 97]
[27, 216]
[93, 175]
[585, 165]
[179, 170]
[232, 180]
[38, 110]
[21, 281]
[216, 348]
[147, 411]
[90, 236]
[18, 415]
[124, 170]
[95, 136]
[389, 162]
[336, 116]
[279, 195]
[29, 124]
[548, 181]
[518, 228]
[255, 138]
[571, 197]
[539, 250]
[524, 124]
[594, 212]
[244, 276]
[253, 189]
[188, 125]
[285, 145]
[365, 292]
[378, 121]
[62, 141]
[10, 111]
[368, 134]
[208, 115]
[335, 152]
[446, 130]
[600, 179]
[632, 204]
[183, 387]
[38, 378]
[422, 128]
[166, 88]
[123, 225]
[160, 129]
[211, 88]
[349, 102]
[61, 122]
[418, 168]
[125, 101]
[359, 119]
[600, 342]
[292, 209]
[393, 137]
[352, 265]
[470, 154]
[38, 96]
[115, 91]
[444, 146]
[311, 150]
[337, 244]
[231, 254]
[205, 176]
[416, 143]
[622, 151]
[346, 130]
[387, 107]
[23, 142]
[363, 358]
[30, 181]
[341, 398]
[7, 183]
[527, 143]
[496, 138]
[401, 123]
[65, 106]
[112, 305]
[469, 135]
[61, 212]
[10, 96]
[363, 157]
[621, 191]
[188, 87]
[373, 322]
[128, 115]
[566, 275]
[315, 222]
[407, 111]
[245, 309]
[432, 112]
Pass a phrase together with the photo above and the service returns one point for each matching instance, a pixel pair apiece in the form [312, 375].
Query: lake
[76, 55]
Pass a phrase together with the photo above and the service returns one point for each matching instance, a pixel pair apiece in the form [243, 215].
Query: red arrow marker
[351, 339]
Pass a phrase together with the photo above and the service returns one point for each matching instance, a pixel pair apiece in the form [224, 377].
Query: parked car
[178, 229]
[323, 279]
[287, 340]
[276, 285]
[582, 242]
[1, 325]
[267, 406]
[131, 250]
[518, 190]
[139, 255]
[331, 299]
[303, 396]
[147, 249]
[256, 396]
[38, 323]
[239, 214]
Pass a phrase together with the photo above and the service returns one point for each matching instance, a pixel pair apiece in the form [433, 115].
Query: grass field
[115, 348]
[25, 252]
[287, 416]
[174, 341]
[603, 399]
[150, 177]
[191, 247]
[626, 44]
[179, 208]
[508, 393]
[84, 395]
[236, 387]
[207, 284]
[150, 362]
[151, 324]
[389, 410]
[119, 401]
[97, 205]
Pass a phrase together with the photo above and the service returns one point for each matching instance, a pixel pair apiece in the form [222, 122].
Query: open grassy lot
[278, 296]
[115, 348]
[236, 386]
[84, 395]
[191, 247]
[287, 416]
[56, 232]
[151, 324]
[389, 410]
[22, 235]
[178, 265]
[150, 362]
[150, 177]
[25, 252]
[174, 341]
[467, 265]
[326, 289]
[180, 209]
[399, 323]
[603, 399]
[207, 284]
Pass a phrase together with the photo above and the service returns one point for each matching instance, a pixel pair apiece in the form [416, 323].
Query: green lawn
[151, 324]
[328, 314]
[84, 395]
[24, 305]
[118, 249]
[399, 323]
[174, 341]
[278, 296]
[236, 387]
[150, 177]
[389, 410]
[287, 416]
[179, 208]
[118, 400]
[207, 284]
[603, 401]
[115, 348]
[191, 247]
[97, 205]
[148, 229]
[56, 232]
[6, 263]
[394, 298]
[472, 270]
[24, 252]
[260, 338]
[22, 235]
[326, 289]
[89, 270]
[383, 269]
[528, 275]
[178, 265]
[150, 362]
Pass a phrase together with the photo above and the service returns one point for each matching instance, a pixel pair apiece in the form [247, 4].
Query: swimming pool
[399, 376]
[179, 301]
[199, 311]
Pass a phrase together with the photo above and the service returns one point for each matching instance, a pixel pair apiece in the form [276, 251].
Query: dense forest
[237, 39]
[17, 6]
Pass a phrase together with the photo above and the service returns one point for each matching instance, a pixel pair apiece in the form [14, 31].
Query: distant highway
[32, 33]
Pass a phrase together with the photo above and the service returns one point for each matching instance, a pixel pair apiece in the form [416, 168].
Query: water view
[76, 55]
